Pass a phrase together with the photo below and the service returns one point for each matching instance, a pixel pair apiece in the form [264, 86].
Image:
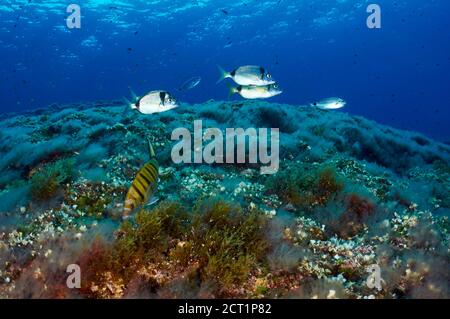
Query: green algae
[228, 242]
[47, 181]
[224, 242]
[213, 245]
[93, 206]
[306, 187]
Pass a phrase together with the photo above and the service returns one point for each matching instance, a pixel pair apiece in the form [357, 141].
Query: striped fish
[144, 184]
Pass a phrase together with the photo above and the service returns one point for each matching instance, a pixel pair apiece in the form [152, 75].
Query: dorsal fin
[151, 151]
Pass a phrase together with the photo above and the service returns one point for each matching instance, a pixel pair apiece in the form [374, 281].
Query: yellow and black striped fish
[144, 184]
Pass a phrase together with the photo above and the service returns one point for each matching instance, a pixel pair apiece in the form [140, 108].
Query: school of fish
[254, 82]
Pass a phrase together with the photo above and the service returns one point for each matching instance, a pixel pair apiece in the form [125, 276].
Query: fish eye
[269, 75]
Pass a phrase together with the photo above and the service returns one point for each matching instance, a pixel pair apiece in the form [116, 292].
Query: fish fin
[231, 91]
[150, 149]
[128, 106]
[125, 217]
[152, 201]
[223, 75]
[134, 97]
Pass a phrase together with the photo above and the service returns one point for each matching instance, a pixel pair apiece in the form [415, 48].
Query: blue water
[397, 75]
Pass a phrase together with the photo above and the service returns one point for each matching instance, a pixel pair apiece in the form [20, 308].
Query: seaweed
[93, 206]
[149, 236]
[350, 219]
[46, 182]
[223, 242]
[228, 242]
[358, 210]
[305, 189]
[275, 118]
[312, 236]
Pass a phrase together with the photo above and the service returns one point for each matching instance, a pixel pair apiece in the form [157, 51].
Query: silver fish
[248, 75]
[332, 103]
[256, 92]
[190, 84]
[153, 102]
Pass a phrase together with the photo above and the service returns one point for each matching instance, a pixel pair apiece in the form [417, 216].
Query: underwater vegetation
[305, 188]
[46, 182]
[215, 245]
[350, 193]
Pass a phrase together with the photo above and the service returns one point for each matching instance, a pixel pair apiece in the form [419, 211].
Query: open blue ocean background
[398, 75]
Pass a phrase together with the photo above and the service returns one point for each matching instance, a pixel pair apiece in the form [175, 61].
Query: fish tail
[223, 74]
[128, 106]
[133, 95]
[231, 91]
[128, 103]
[150, 149]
